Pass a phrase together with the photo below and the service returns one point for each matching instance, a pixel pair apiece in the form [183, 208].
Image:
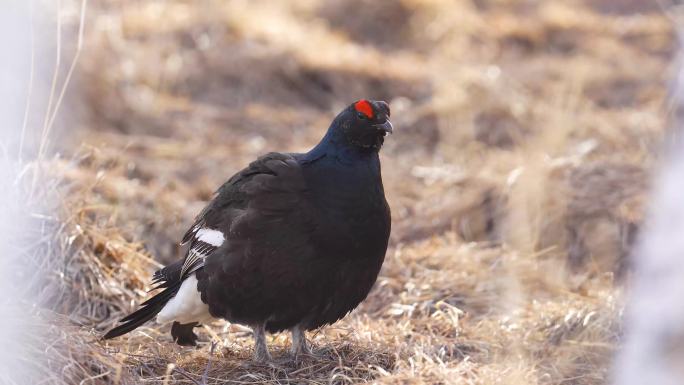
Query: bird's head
[363, 125]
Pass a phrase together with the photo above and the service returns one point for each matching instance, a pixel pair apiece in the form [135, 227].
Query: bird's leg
[261, 353]
[299, 345]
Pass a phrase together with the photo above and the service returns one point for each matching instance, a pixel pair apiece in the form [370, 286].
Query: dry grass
[525, 135]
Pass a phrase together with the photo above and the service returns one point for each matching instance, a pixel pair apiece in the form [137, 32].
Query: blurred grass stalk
[26, 202]
[653, 351]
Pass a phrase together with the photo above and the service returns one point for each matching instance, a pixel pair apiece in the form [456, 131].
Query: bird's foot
[262, 356]
[261, 353]
[300, 350]
[299, 347]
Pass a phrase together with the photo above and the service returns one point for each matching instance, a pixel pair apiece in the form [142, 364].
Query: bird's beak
[385, 127]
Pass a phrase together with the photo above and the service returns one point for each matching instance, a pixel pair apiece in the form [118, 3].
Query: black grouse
[293, 241]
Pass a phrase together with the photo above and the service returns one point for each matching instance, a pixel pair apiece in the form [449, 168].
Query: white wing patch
[210, 236]
[204, 242]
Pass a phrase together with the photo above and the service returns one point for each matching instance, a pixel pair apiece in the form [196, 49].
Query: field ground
[525, 135]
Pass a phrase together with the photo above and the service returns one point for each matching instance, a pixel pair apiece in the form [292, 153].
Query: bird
[294, 241]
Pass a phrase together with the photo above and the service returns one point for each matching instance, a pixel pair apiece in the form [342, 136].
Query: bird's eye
[361, 115]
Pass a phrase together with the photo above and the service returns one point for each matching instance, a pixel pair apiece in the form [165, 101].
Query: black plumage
[293, 241]
[183, 335]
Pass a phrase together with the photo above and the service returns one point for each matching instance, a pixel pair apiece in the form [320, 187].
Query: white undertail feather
[186, 306]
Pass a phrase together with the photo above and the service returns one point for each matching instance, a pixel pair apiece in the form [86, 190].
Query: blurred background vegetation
[525, 136]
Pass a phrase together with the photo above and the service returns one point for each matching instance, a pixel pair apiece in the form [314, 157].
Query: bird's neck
[334, 145]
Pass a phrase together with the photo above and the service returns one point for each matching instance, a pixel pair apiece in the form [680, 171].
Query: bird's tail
[147, 311]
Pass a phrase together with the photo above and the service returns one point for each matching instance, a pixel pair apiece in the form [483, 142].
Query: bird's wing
[267, 188]
[268, 229]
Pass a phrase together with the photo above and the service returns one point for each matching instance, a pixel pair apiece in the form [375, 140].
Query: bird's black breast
[352, 235]
[354, 217]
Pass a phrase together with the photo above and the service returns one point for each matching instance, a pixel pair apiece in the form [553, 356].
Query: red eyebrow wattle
[364, 107]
